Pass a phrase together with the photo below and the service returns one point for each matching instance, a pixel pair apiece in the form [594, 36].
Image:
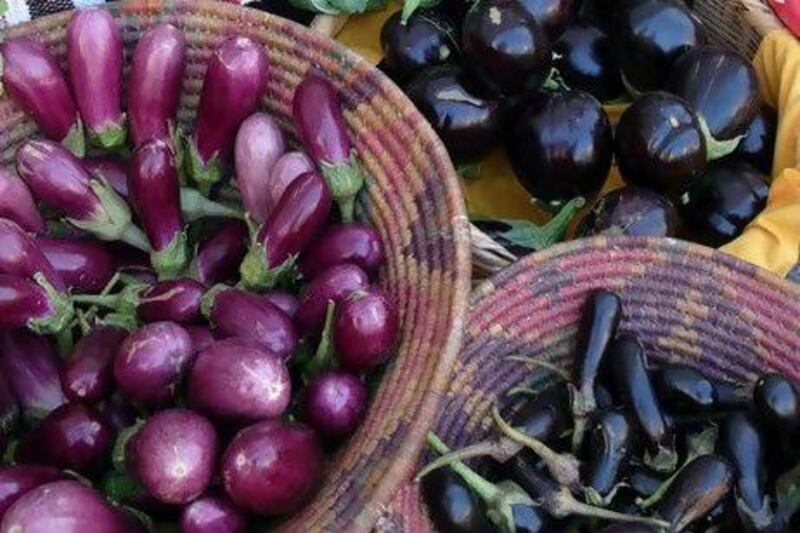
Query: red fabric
[789, 12]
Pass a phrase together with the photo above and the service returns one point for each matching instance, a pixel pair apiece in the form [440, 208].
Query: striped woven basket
[413, 198]
[687, 303]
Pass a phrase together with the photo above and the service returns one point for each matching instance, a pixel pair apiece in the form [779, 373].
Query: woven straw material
[739, 24]
[687, 303]
[413, 199]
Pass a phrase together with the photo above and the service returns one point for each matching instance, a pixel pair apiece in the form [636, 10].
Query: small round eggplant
[88, 375]
[660, 144]
[211, 514]
[465, 119]
[611, 443]
[650, 36]
[776, 400]
[552, 15]
[175, 452]
[85, 265]
[271, 468]
[259, 144]
[506, 47]
[286, 169]
[452, 506]
[177, 300]
[585, 58]
[17, 204]
[334, 403]
[758, 145]
[633, 211]
[285, 301]
[561, 146]
[331, 285]
[218, 257]
[365, 328]
[18, 480]
[685, 390]
[355, 243]
[425, 40]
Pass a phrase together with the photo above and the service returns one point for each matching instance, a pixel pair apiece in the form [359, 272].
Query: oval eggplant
[776, 399]
[633, 211]
[85, 265]
[584, 57]
[452, 506]
[757, 148]
[176, 300]
[611, 443]
[365, 328]
[355, 243]
[285, 301]
[211, 514]
[25, 304]
[88, 375]
[561, 146]
[685, 390]
[16, 203]
[21, 257]
[331, 285]
[18, 480]
[334, 403]
[259, 144]
[425, 40]
[743, 445]
[552, 15]
[218, 257]
[286, 169]
[201, 337]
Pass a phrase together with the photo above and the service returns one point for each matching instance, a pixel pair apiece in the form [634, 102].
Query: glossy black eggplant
[632, 211]
[684, 389]
[426, 39]
[466, 119]
[758, 145]
[650, 36]
[552, 15]
[611, 443]
[660, 143]
[723, 201]
[508, 50]
[561, 146]
[776, 400]
[585, 59]
[451, 504]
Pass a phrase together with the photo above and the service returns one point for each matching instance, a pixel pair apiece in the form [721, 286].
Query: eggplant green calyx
[631, 90]
[555, 82]
[204, 173]
[410, 6]
[665, 460]
[324, 355]
[75, 140]
[195, 206]
[716, 149]
[345, 180]
[207, 301]
[111, 136]
[121, 444]
[172, 260]
[258, 275]
[62, 314]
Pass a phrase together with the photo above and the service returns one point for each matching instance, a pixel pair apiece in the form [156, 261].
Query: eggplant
[286, 169]
[643, 481]
[201, 337]
[156, 79]
[757, 148]
[9, 414]
[176, 300]
[283, 300]
[334, 403]
[776, 400]
[21, 257]
[720, 204]
[34, 82]
[296, 221]
[685, 390]
[425, 40]
[218, 257]
[561, 146]
[18, 480]
[585, 59]
[506, 48]
[85, 265]
[317, 112]
[650, 35]
[95, 59]
[259, 145]
[354, 243]
[112, 171]
[611, 443]
[16, 203]
[118, 413]
[466, 118]
[452, 506]
[88, 375]
[365, 329]
[334, 284]
[552, 15]
[633, 211]
[660, 143]
[26, 304]
[212, 514]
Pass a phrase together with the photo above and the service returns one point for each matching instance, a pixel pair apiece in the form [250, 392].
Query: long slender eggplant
[112, 171]
[218, 257]
[95, 57]
[354, 243]
[21, 256]
[25, 303]
[426, 39]
[286, 169]
[684, 389]
[16, 203]
[85, 265]
[317, 113]
[88, 375]
[297, 219]
[259, 144]
[18, 480]
[156, 78]
[776, 399]
[452, 506]
[34, 82]
[611, 442]
[235, 81]
[334, 284]
[584, 57]
[176, 300]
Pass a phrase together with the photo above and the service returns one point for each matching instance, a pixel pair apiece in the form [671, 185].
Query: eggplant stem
[484, 488]
[136, 238]
[514, 391]
[65, 342]
[479, 449]
[534, 237]
[542, 364]
[322, 357]
[104, 300]
[565, 503]
[83, 323]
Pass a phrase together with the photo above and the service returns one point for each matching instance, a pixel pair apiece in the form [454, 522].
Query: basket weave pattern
[413, 199]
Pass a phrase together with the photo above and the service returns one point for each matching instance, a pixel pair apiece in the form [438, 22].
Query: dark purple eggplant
[585, 59]
[354, 243]
[650, 35]
[34, 82]
[73, 437]
[425, 40]
[118, 413]
[113, 171]
[9, 413]
[283, 300]
[334, 284]
[259, 145]
[212, 514]
[685, 390]
[507, 49]
[633, 211]
[218, 257]
[20, 256]
[611, 442]
[16, 203]
[18, 480]
[238, 380]
[365, 329]
[296, 221]
[85, 265]
[552, 15]
[26, 304]
[272, 468]
[451, 504]
[757, 148]
[776, 400]
[335, 402]
[177, 300]
[287, 168]
[235, 81]
[88, 375]
[660, 143]
[561, 146]
[467, 120]
[723, 201]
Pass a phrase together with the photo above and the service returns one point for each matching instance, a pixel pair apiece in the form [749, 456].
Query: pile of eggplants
[533, 76]
[187, 325]
[624, 443]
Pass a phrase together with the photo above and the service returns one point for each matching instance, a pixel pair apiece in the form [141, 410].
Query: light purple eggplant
[237, 380]
[156, 78]
[31, 366]
[174, 454]
[344, 243]
[259, 144]
[297, 219]
[16, 203]
[21, 256]
[25, 303]
[335, 402]
[317, 113]
[283, 300]
[58, 180]
[85, 265]
[9, 415]
[235, 81]
[201, 337]
[237, 313]
[113, 171]
[365, 329]
[288, 168]
[331, 285]
[212, 514]
[175, 300]
[88, 375]
[151, 361]
[218, 257]
[34, 81]
[95, 58]
[17, 480]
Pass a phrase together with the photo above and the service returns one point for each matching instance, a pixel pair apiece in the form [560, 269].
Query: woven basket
[687, 303]
[413, 199]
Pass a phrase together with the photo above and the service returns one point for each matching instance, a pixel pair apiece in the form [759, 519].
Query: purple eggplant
[286, 169]
[365, 329]
[34, 81]
[16, 203]
[212, 514]
[174, 454]
[155, 195]
[334, 284]
[9, 411]
[73, 437]
[151, 361]
[20, 256]
[298, 218]
[113, 171]
[238, 380]
[201, 337]
[95, 57]
[18, 480]
[177, 300]
[237, 313]
[235, 81]
[25, 303]
[31, 367]
[353, 243]
[285, 301]
[88, 375]
[118, 413]
[317, 112]
[335, 402]
[259, 144]
[58, 180]
[410, 46]
[218, 257]
[634, 211]
[154, 89]
[85, 265]
[272, 468]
